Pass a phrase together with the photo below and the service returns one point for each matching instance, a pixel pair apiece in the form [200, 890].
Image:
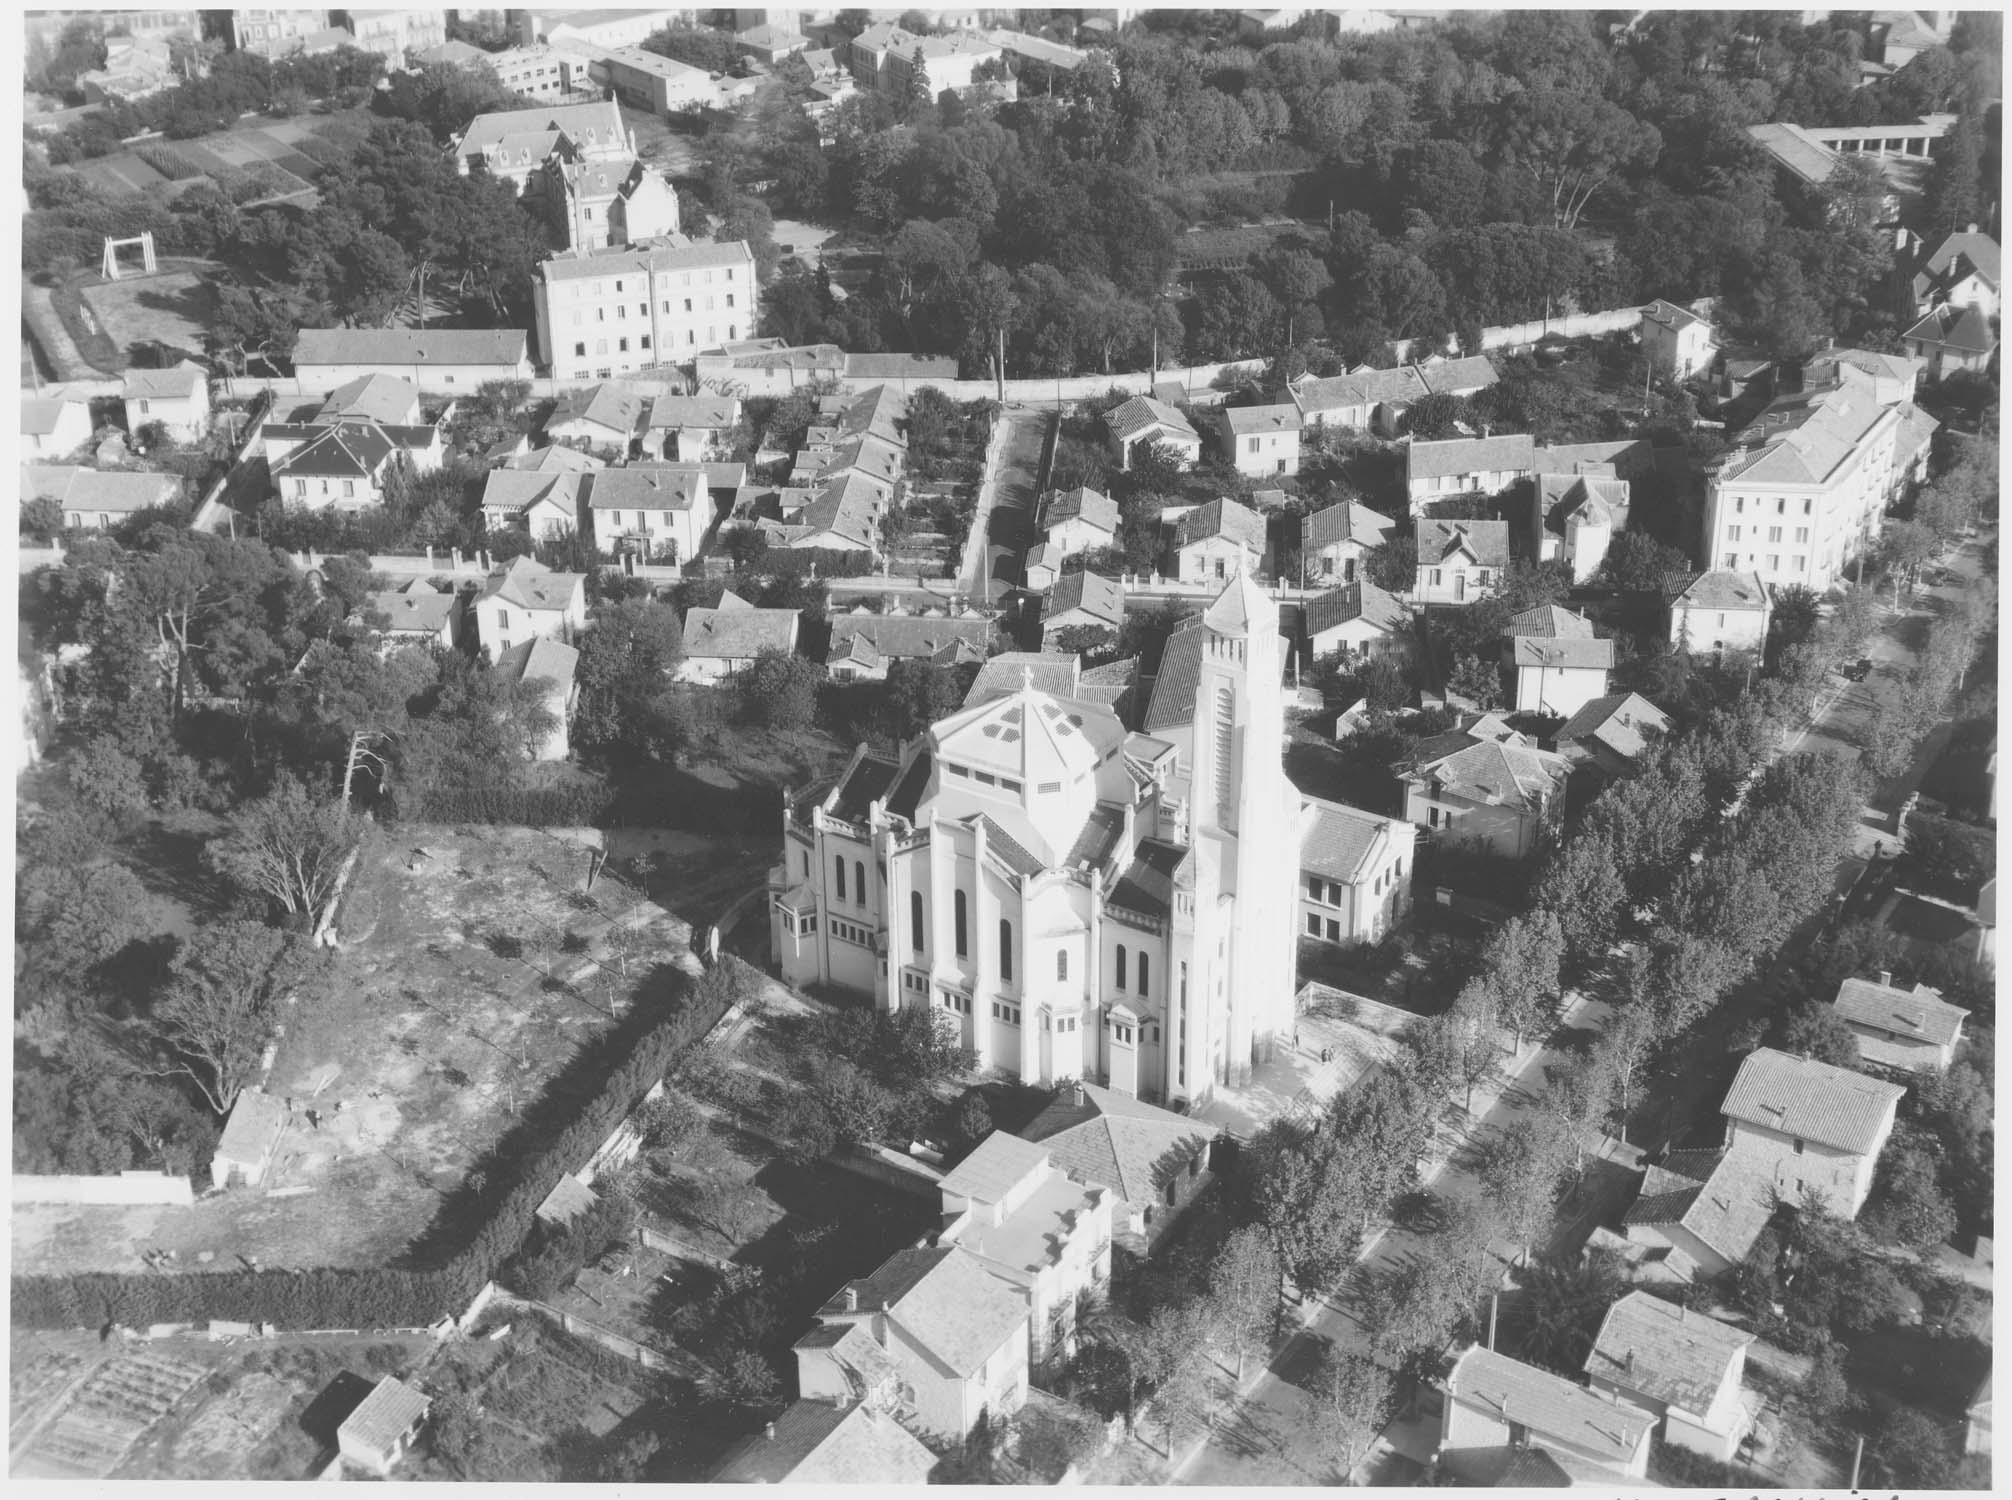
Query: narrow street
[1007, 496]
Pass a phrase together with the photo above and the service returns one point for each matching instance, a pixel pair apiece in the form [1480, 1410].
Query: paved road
[1007, 494]
[1261, 1439]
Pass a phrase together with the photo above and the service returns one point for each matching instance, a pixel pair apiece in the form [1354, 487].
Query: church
[1080, 901]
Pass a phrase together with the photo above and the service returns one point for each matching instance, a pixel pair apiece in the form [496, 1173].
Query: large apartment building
[615, 312]
[1079, 902]
[1800, 496]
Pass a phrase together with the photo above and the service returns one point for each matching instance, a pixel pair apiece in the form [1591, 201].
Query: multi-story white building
[274, 33]
[395, 34]
[540, 72]
[614, 312]
[601, 28]
[1075, 901]
[1800, 495]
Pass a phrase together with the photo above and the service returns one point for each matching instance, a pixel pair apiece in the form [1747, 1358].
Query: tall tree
[215, 1020]
[289, 845]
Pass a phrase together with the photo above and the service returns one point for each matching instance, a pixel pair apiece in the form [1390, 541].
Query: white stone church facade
[1079, 901]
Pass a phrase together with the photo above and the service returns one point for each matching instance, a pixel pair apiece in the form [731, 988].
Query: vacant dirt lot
[171, 308]
[471, 967]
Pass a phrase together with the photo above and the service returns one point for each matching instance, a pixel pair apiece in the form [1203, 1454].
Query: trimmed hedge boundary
[670, 798]
[592, 1095]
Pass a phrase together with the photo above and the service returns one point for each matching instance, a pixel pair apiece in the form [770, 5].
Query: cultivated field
[468, 974]
[93, 1422]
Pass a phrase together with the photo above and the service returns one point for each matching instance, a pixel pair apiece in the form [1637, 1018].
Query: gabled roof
[619, 408]
[815, 1442]
[411, 346]
[1353, 601]
[846, 507]
[1963, 329]
[1487, 542]
[1495, 772]
[1456, 377]
[1550, 1406]
[1619, 721]
[1082, 504]
[1669, 315]
[40, 416]
[1798, 1096]
[1969, 248]
[417, 608]
[1116, 1141]
[1347, 522]
[390, 1411]
[1336, 841]
[177, 383]
[1549, 622]
[1513, 451]
[650, 487]
[1601, 501]
[554, 459]
[707, 413]
[598, 124]
[255, 1123]
[1665, 1352]
[1400, 387]
[735, 634]
[1097, 596]
[1250, 421]
[108, 490]
[949, 1302]
[1228, 519]
[1797, 150]
[342, 450]
[515, 491]
[1920, 1014]
[541, 659]
[529, 583]
[889, 637]
[375, 397]
[1723, 590]
[1142, 414]
[996, 1166]
[1054, 672]
[1566, 653]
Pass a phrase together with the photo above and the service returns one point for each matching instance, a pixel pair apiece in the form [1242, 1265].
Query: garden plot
[105, 1416]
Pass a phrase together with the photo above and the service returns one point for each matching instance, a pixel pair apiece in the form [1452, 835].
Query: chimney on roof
[768, 1431]
[1886, 979]
[1630, 1364]
[1970, 229]
[852, 1299]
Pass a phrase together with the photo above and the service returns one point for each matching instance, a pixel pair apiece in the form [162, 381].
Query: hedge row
[665, 799]
[576, 805]
[593, 1094]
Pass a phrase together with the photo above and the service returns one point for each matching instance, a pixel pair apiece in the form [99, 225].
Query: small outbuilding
[379, 1432]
